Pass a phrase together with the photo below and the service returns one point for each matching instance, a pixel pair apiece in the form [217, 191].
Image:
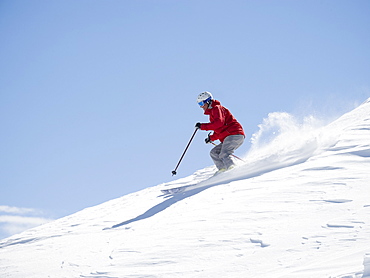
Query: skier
[225, 128]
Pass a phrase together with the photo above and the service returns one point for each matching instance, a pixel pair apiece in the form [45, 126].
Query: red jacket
[222, 122]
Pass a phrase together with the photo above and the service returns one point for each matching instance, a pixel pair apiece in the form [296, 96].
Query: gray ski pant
[221, 154]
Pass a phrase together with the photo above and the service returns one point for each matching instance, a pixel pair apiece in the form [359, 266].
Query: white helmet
[204, 98]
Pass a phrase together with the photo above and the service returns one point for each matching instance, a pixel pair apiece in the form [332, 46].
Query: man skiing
[225, 128]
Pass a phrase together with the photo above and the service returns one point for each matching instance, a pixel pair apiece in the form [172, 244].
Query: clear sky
[98, 98]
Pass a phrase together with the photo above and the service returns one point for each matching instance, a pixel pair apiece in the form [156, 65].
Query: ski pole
[232, 154]
[191, 139]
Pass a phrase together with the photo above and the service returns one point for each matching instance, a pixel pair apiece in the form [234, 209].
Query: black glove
[208, 139]
[197, 125]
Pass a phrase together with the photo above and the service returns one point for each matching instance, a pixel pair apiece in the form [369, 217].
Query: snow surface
[298, 207]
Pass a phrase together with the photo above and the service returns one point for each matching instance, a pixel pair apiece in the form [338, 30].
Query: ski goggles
[204, 101]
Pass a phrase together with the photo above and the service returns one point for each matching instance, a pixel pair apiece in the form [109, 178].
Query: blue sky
[97, 98]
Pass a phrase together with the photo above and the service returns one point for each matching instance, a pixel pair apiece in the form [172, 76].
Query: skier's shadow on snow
[179, 197]
[164, 205]
[173, 199]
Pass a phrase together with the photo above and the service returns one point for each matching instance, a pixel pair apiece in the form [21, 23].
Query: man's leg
[230, 144]
[215, 155]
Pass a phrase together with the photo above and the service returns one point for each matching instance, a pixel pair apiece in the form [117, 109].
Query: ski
[173, 190]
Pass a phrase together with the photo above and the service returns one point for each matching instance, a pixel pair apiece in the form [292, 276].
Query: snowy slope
[298, 207]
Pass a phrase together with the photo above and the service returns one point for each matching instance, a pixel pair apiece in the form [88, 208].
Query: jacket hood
[215, 102]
